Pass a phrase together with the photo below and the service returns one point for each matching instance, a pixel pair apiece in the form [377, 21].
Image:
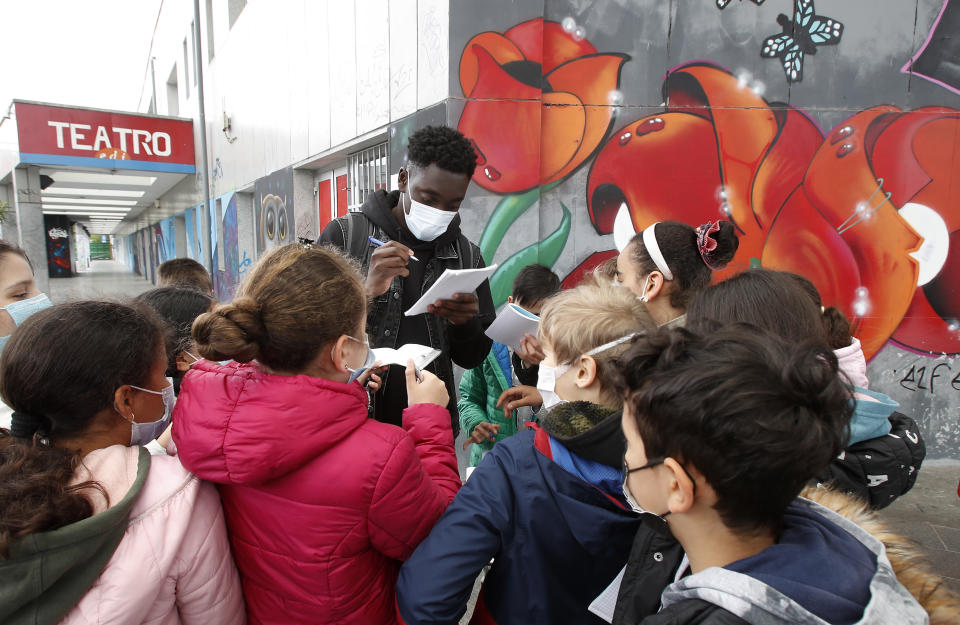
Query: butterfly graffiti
[722, 4]
[800, 36]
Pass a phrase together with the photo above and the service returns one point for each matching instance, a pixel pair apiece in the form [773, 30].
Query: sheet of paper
[511, 324]
[451, 281]
[422, 355]
[604, 605]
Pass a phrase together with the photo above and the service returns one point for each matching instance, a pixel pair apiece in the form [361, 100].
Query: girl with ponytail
[82, 505]
[670, 262]
[322, 503]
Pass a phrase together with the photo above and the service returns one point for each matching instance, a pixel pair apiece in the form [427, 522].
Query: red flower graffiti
[538, 103]
[865, 213]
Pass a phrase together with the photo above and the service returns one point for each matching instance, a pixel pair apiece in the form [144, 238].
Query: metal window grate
[366, 173]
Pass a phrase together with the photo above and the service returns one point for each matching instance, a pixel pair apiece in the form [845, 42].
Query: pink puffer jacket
[173, 565]
[322, 503]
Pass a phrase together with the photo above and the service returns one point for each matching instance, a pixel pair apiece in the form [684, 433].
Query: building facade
[828, 131]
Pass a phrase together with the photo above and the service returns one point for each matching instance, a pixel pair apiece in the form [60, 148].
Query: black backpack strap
[356, 232]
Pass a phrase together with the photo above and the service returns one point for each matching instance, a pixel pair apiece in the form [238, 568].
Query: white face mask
[643, 290]
[425, 222]
[547, 384]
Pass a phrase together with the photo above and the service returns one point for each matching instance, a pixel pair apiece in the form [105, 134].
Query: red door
[341, 195]
[326, 204]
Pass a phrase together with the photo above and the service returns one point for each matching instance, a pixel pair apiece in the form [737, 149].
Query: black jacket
[880, 469]
[526, 375]
[644, 578]
[465, 345]
[693, 612]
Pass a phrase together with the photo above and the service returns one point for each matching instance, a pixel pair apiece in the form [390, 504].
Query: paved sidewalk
[106, 279]
[930, 515]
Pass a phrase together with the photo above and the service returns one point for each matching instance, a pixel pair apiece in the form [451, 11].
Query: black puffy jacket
[880, 469]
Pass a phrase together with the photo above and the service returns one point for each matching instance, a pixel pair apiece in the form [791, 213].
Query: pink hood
[853, 364]
[322, 503]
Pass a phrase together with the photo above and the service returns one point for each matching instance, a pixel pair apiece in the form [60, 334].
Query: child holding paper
[546, 505]
[480, 387]
[321, 502]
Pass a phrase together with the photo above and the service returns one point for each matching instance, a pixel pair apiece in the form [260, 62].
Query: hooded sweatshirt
[872, 410]
[154, 551]
[823, 569]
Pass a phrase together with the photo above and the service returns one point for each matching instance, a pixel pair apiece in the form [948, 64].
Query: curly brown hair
[296, 299]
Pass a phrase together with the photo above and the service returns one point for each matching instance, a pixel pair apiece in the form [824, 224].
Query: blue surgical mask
[368, 360]
[143, 433]
[19, 311]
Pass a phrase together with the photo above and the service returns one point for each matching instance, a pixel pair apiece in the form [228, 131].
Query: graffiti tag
[923, 378]
[245, 263]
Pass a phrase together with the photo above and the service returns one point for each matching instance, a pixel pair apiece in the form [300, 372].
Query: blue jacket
[557, 541]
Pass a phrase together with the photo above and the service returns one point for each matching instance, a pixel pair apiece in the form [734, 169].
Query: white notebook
[451, 281]
[422, 355]
[512, 324]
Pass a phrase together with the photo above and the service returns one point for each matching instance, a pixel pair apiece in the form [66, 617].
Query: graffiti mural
[939, 57]
[273, 206]
[800, 36]
[839, 172]
[226, 278]
[58, 246]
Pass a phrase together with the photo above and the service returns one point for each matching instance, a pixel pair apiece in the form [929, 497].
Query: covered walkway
[107, 279]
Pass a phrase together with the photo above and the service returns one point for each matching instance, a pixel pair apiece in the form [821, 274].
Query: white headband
[650, 242]
[611, 344]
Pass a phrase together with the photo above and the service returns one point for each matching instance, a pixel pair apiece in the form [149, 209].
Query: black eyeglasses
[653, 463]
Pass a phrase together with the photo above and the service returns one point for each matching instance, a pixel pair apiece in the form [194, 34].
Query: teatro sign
[61, 135]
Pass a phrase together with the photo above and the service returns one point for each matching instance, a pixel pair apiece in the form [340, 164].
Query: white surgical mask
[143, 433]
[547, 383]
[425, 222]
[643, 289]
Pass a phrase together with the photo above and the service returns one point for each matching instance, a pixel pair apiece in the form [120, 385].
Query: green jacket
[48, 573]
[480, 388]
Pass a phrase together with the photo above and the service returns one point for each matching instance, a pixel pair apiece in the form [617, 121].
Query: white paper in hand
[511, 324]
[422, 355]
[451, 281]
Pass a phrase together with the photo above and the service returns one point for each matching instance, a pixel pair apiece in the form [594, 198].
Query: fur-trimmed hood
[906, 557]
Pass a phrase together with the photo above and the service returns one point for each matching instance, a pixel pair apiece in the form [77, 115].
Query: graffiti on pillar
[273, 205]
[800, 37]
[58, 247]
[226, 250]
[939, 57]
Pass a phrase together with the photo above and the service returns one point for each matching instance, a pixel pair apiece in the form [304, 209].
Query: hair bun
[232, 331]
[724, 247]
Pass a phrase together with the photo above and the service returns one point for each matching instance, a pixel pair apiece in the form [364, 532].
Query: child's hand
[371, 377]
[429, 389]
[518, 396]
[530, 350]
[483, 432]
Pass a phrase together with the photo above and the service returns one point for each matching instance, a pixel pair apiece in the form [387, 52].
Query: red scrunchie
[706, 244]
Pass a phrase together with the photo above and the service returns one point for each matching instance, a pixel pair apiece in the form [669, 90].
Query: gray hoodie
[759, 603]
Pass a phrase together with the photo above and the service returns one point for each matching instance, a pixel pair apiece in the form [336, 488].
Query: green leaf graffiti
[545, 252]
